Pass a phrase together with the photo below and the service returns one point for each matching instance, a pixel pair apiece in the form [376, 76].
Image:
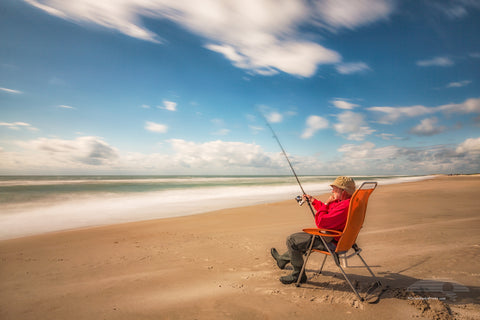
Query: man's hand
[331, 199]
[308, 198]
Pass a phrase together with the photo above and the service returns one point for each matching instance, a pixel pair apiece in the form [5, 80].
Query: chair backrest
[356, 216]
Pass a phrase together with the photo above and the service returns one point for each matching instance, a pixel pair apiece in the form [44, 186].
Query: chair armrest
[320, 232]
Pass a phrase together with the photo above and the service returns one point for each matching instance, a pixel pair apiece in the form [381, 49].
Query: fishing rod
[291, 167]
[324, 242]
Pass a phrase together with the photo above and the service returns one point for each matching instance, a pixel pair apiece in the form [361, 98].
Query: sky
[158, 87]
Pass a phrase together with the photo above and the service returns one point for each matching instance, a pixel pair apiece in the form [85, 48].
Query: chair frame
[355, 218]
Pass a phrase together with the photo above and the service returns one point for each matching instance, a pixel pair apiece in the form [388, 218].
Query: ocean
[38, 204]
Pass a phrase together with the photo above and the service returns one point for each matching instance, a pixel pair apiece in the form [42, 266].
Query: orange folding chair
[347, 237]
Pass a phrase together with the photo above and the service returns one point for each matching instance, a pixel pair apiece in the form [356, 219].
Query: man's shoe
[291, 278]
[281, 263]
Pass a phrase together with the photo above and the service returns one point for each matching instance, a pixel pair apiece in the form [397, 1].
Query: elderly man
[330, 215]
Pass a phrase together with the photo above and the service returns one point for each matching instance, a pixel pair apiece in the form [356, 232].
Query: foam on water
[102, 208]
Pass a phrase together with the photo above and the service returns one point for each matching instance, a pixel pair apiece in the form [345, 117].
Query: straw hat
[345, 183]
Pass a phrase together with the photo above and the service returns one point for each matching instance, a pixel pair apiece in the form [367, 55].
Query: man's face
[337, 193]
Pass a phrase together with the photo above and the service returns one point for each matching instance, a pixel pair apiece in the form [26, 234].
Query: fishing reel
[300, 200]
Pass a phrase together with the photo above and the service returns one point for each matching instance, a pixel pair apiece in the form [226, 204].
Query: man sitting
[330, 215]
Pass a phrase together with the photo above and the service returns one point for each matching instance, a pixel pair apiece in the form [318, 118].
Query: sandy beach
[218, 265]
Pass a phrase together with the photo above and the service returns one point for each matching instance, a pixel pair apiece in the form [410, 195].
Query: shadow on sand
[432, 297]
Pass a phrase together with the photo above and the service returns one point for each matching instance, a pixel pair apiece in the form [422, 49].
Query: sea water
[38, 204]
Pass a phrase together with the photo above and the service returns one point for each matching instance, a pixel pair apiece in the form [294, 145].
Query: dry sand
[218, 265]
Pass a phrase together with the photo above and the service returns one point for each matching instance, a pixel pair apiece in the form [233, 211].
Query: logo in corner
[448, 287]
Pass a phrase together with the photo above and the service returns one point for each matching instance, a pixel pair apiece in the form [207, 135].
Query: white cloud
[342, 104]
[245, 32]
[353, 125]
[455, 9]
[294, 57]
[66, 107]
[169, 105]
[427, 127]
[368, 150]
[156, 127]
[274, 117]
[92, 154]
[221, 132]
[351, 14]
[367, 157]
[11, 91]
[349, 68]
[470, 146]
[392, 114]
[18, 126]
[255, 129]
[436, 62]
[58, 153]
[218, 122]
[459, 84]
[387, 136]
[217, 153]
[313, 124]
[123, 16]
[389, 115]
[471, 105]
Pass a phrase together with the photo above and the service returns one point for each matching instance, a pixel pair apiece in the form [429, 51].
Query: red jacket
[332, 216]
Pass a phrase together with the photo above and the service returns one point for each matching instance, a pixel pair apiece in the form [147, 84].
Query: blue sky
[177, 87]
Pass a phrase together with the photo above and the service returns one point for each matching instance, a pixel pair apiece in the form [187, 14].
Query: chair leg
[370, 270]
[350, 283]
[323, 263]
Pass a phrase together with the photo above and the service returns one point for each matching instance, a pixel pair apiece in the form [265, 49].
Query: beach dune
[218, 266]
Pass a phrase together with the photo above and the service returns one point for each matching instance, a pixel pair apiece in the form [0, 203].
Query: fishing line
[289, 163]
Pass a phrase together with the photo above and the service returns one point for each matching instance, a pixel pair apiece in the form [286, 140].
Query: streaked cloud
[169, 105]
[351, 14]
[156, 127]
[244, 32]
[392, 114]
[436, 62]
[343, 104]
[457, 9]
[256, 129]
[354, 67]
[387, 136]
[18, 126]
[11, 91]
[294, 57]
[459, 84]
[313, 124]
[220, 124]
[66, 107]
[221, 132]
